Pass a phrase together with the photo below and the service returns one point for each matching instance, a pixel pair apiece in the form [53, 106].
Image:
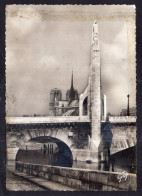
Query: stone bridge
[74, 134]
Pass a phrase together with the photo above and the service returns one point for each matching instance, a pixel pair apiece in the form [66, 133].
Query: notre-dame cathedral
[68, 107]
[80, 105]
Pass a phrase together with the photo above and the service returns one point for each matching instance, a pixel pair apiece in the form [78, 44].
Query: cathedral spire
[72, 91]
[72, 80]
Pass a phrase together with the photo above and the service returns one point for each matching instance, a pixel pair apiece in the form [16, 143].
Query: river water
[61, 159]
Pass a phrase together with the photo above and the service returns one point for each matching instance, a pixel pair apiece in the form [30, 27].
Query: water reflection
[46, 155]
[103, 166]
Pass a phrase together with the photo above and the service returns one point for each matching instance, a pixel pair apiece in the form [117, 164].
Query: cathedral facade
[67, 107]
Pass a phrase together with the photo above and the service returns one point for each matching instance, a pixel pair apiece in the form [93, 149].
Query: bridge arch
[62, 156]
[61, 136]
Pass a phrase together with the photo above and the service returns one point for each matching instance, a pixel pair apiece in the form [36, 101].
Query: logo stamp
[122, 175]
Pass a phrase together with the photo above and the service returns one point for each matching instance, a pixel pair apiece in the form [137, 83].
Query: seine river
[62, 159]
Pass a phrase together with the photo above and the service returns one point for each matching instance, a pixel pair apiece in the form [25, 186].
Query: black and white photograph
[71, 98]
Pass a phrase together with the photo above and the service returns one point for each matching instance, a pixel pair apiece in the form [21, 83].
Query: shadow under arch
[63, 157]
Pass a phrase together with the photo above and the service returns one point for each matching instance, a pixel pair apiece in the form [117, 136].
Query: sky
[45, 42]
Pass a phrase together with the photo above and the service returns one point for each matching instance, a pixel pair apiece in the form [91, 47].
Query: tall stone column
[95, 93]
[105, 108]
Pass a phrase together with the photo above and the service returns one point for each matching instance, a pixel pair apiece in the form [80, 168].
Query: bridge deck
[48, 119]
[61, 119]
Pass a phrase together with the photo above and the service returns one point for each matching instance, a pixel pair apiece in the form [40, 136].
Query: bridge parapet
[48, 120]
[122, 119]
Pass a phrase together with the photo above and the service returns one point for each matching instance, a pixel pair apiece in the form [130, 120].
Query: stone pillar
[95, 93]
[89, 98]
[105, 108]
[80, 105]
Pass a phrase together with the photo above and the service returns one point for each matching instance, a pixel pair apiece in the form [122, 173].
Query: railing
[65, 119]
[48, 119]
[115, 119]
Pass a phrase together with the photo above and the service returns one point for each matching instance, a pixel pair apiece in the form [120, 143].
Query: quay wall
[80, 179]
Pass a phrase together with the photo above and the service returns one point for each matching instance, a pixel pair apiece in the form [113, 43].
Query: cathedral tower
[55, 96]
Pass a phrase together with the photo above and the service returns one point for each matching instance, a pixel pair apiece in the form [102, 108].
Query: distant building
[132, 112]
[68, 107]
[123, 112]
[25, 115]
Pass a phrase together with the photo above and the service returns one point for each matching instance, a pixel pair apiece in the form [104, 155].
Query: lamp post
[128, 112]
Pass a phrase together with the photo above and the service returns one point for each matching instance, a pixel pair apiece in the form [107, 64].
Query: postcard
[71, 98]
